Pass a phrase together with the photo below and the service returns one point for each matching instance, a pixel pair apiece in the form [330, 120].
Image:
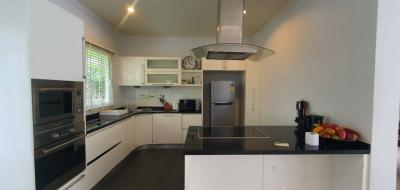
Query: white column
[386, 97]
[16, 137]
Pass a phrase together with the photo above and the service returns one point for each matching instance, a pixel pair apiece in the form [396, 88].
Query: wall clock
[189, 63]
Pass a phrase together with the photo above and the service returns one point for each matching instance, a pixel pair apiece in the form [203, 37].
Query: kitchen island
[271, 157]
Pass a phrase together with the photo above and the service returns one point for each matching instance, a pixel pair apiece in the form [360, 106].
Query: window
[98, 80]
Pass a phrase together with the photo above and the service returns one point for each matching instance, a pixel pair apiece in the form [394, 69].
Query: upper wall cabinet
[131, 71]
[55, 43]
[166, 78]
[223, 65]
[163, 64]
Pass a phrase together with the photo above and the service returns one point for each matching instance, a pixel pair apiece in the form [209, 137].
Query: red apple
[334, 126]
[352, 136]
[341, 133]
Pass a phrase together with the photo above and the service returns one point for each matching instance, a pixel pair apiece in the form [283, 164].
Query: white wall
[97, 31]
[16, 139]
[149, 96]
[386, 97]
[324, 54]
[159, 46]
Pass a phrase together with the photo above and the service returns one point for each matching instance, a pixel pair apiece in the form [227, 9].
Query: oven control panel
[56, 133]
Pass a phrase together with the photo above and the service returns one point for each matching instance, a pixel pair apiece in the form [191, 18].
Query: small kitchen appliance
[189, 105]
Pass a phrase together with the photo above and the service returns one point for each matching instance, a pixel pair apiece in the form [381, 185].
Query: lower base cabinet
[233, 172]
[143, 129]
[276, 172]
[104, 150]
[98, 169]
[77, 183]
[128, 135]
[107, 147]
[190, 120]
[167, 128]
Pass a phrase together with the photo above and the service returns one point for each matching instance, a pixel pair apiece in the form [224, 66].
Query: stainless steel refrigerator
[223, 109]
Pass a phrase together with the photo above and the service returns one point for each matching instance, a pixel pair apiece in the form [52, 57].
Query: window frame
[90, 108]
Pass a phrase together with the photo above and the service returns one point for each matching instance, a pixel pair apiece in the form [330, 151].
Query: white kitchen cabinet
[224, 172]
[55, 43]
[129, 135]
[190, 120]
[131, 71]
[143, 129]
[184, 134]
[166, 78]
[100, 141]
[98, 169]
[79, 182]
[161, 64]
[167, 128]
[252, 93]
[223, 65]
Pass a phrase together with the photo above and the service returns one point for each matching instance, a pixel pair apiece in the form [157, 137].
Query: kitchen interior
[194, 95]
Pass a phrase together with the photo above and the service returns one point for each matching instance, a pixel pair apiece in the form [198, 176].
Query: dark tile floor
[147, 170]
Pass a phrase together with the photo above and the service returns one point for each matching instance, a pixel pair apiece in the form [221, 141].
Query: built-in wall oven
[59, 131]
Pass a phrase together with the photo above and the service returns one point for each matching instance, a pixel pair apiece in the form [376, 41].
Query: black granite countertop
[225, 141]
[98, 122]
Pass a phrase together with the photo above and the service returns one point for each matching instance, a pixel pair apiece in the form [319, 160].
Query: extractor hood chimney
[229, 44]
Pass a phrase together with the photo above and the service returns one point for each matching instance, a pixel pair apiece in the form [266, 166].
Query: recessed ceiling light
[244, 11]
[131, 10]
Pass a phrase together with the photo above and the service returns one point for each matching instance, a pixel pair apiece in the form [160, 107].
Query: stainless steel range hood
[229, 44]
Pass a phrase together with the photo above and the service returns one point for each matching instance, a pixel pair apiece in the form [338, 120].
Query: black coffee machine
[304, 121]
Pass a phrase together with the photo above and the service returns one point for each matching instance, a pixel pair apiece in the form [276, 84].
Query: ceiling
[179, 17]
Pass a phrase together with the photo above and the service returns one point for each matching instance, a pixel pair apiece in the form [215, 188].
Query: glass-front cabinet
[166, 78]
[161, 64]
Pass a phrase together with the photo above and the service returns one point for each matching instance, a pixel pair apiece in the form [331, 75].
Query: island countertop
[203, 140]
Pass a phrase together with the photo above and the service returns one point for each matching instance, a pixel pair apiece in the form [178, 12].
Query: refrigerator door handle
[223, 103]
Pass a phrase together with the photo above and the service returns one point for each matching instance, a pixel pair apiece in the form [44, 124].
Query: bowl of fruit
[335, 132]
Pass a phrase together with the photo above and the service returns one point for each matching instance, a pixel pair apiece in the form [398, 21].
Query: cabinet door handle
[253, 100]
[84, 57]
[75, 182]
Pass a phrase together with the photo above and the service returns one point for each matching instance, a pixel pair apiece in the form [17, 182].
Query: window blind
[98, 81]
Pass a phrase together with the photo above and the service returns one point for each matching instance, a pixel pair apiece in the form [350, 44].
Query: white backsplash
[149, 96]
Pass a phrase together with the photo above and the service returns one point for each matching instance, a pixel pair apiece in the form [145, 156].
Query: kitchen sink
[114, 112]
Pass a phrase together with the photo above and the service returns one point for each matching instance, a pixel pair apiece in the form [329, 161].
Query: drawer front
[100, 142]
[77, 183]
[98, 169]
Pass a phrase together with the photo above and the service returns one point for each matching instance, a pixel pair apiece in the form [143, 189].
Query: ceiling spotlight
[244, 11]
[131, 10]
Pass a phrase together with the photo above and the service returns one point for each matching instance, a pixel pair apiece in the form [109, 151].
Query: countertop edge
[339, 152]
[129, 115]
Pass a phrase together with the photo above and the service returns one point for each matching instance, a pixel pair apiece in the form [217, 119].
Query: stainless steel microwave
[56, 100]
